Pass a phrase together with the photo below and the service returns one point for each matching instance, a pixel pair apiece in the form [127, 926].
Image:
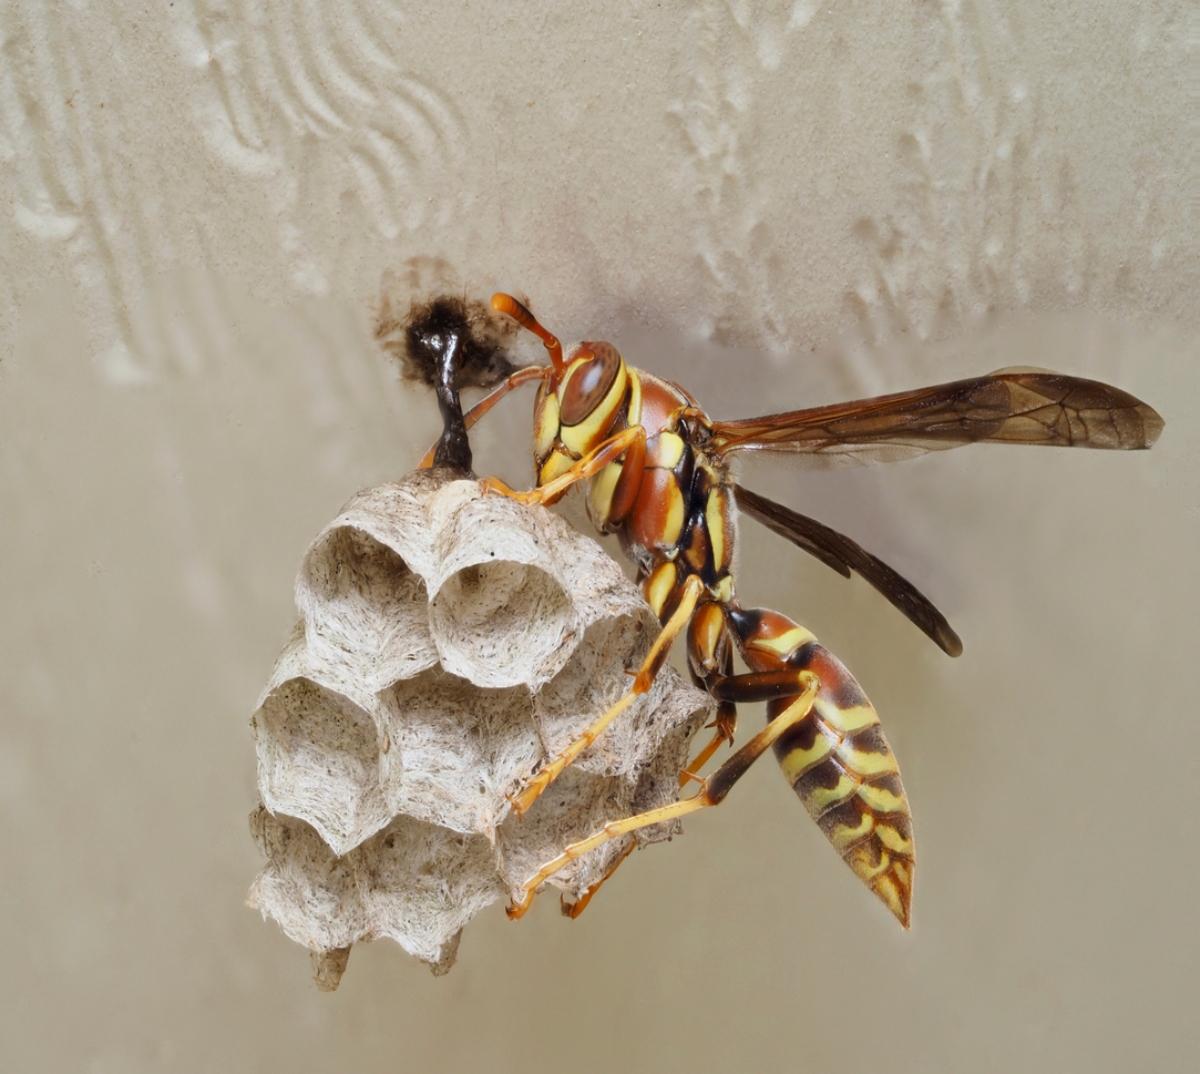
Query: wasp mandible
[659, 475]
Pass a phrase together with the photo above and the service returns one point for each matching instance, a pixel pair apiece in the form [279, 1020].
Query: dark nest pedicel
[449, 343]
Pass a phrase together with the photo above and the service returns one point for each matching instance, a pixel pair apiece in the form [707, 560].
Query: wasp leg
[642, 681]
[710, 660]
[588, 466]
[804, 685]
[728, 690]
[725, 724]
[726, 721]
[723, 735]
[574, 909]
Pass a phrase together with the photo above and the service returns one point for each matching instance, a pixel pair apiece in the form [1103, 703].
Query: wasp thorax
[591, 377]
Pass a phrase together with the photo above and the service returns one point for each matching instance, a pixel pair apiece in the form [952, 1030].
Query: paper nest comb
[449, 641]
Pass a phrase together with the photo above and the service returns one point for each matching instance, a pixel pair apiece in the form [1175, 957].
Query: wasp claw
[516, 909]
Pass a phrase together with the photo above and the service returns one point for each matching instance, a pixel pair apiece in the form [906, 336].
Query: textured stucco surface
[775, 204]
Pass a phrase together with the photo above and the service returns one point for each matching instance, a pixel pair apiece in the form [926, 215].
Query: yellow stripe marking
[867, 764]
[659, 585]
[558, 462]
[862, 860]
[708, 623]
[784, 644]
[600, 493]
[844, 836]
[672, 526]
[723, 590]
[665, 451]
[881, 799]
[634, 413]
[714, 517]
[799, 760]
[893, 840]
[885, 887]
[846, 721]
[547, 426]
[821, 798]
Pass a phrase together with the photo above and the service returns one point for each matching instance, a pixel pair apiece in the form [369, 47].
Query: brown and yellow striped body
[657, 477]
[671, 505]
[837, 758]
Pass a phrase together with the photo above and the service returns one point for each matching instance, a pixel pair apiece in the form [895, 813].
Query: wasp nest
[449, 642]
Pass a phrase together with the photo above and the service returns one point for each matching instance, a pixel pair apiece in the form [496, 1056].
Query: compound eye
[589, 384]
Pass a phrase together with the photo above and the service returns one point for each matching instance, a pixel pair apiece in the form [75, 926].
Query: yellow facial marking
[600, 493]
[798, 760]
[558, 462]
[783, 644]
[867, 764]
[659, 585]
[821, 798]
[881, 799]
[893, 840]
[665, 450]
[844, 836]
[547, 426]
[588, 433]
[845, 721]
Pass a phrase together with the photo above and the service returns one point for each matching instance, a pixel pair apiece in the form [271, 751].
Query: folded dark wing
[1010, 407]
[844, 555]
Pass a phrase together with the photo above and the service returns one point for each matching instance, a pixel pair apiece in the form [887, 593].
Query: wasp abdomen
[837, 757]
[842, 767]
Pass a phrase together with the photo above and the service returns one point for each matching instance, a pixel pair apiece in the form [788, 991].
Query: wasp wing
[844, 555]
[1009, 407]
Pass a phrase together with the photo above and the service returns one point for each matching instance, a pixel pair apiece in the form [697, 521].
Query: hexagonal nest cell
[449, 642]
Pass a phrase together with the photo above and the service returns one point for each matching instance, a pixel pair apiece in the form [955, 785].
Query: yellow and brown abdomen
[838, 759]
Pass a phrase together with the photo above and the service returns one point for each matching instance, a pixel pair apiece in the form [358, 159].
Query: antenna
[503, 303]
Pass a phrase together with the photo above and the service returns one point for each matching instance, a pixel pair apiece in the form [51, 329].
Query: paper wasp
[659, 475]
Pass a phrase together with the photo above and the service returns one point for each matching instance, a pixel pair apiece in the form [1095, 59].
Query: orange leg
[642, 681]
[574, 909]
[722, 735]
[711, 793]
[588, 466]
[725, 724]
[710, 647]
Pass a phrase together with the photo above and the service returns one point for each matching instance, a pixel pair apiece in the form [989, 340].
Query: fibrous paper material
[448, 643]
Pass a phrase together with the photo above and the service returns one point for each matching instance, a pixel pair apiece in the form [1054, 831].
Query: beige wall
[775, 208]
